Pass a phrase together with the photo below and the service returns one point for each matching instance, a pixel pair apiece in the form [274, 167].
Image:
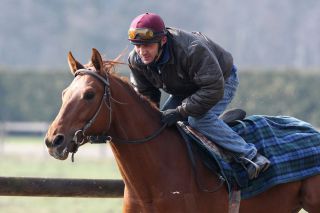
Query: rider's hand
[171, 116]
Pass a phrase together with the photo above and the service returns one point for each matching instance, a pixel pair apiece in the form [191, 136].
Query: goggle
[142, 33]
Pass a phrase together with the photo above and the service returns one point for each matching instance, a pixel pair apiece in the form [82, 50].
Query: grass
[40, 164]
[53, 205]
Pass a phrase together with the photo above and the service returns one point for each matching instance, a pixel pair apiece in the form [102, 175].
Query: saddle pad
[292, 146]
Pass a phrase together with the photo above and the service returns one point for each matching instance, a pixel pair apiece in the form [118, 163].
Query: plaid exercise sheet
[292, 146]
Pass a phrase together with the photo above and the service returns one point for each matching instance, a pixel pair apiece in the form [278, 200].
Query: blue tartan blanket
[292, 146]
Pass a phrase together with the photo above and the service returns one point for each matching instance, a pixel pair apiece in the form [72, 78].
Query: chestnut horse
[157, 172]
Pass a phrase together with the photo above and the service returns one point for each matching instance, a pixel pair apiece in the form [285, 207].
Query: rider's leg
[218, 131]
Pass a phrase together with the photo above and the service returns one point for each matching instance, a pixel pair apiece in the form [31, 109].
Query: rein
[80, 137]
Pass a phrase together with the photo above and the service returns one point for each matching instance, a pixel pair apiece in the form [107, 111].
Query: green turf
[43, 165]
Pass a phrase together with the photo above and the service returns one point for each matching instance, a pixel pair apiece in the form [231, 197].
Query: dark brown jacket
[196, 70]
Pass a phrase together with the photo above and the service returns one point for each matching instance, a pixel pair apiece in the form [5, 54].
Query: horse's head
[82, 101]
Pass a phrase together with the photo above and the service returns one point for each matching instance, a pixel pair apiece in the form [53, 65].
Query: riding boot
[258, 164]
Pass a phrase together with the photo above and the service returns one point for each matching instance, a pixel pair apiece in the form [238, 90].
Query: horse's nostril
[58, 140]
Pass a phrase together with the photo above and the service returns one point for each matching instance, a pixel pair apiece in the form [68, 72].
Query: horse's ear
[74, 65]
[96, 60]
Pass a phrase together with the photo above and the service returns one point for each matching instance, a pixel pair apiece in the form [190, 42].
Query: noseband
[80, 136]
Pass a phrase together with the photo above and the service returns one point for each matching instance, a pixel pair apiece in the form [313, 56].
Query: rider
[198, 74]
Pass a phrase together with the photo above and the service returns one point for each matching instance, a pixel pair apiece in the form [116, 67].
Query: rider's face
[147, 52]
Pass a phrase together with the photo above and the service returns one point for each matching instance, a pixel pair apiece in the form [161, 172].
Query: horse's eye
[88, 95]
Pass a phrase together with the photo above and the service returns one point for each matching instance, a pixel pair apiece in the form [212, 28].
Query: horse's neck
[153, 163]
[132, 116]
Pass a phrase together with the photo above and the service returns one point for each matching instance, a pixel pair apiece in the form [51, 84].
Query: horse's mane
[109, 69]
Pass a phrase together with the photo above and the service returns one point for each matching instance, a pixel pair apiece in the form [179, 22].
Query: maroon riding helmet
[146, 28]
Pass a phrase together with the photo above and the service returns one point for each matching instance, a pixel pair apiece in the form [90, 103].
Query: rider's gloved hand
[171, 116]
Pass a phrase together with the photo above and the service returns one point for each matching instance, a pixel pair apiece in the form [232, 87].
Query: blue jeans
[214, 128]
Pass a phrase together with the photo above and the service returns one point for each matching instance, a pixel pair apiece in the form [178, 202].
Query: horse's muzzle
[56, 142]
[57, 147]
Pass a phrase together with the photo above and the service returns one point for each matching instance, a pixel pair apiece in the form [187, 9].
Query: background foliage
[36, 96]
[291, 93]
[261, 35]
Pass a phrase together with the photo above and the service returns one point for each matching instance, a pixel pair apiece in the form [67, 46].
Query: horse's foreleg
[310, 194]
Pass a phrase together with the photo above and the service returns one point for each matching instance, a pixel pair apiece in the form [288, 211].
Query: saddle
[230, 117]
[209, 152]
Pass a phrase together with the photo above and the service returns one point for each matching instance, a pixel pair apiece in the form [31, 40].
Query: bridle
[80, 137]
